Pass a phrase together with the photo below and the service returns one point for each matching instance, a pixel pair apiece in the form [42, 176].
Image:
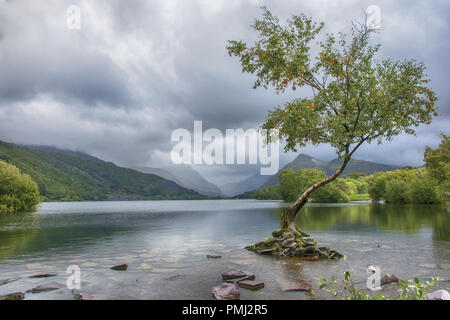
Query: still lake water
[165, 244]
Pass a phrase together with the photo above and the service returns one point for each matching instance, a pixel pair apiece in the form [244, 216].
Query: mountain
[304, 161]
[68, 175]
[186, 177]
[251, 183]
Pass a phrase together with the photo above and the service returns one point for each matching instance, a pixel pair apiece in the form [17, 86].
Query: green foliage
[294, 183]
[408, 289]
[404, 186]
[269, 193]
[18, 192]
[358, 97]
[329, 193]
[437, 162]
[359, 197]
[65, 177]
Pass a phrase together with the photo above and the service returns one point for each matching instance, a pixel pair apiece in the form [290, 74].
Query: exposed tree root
[293, 243]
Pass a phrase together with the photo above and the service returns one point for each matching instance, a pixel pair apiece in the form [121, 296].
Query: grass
[359, 197]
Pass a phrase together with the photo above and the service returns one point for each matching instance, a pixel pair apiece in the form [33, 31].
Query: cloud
[133, 73]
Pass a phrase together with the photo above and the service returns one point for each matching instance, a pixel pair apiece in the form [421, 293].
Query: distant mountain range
[68, 175]
[304, 161]
[186, 177]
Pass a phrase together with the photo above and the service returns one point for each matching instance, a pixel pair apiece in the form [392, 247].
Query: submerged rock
[438, 295]
[210, 256]
[13, 296]
[120, 267]
[226, 291]
[44, 275]
[388, 279]
[82, 296]
[238, 274]
[298, 286]
[6, 281]
[46, 287]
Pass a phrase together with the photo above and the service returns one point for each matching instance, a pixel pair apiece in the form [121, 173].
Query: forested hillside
[74, 176]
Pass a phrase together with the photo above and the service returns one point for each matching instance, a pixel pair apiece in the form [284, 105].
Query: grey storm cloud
[137, 70]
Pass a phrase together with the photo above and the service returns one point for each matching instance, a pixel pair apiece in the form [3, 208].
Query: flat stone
[252, 285]
[298, 286]
[6, 281]
[120, 267]
[226, 291]
[210, 256]
[47, 287]
[238, 274]
[388, 279]
[43, 275]
[13, 296]
[438, 295]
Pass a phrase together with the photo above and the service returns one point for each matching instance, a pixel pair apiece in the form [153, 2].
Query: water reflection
[405, 218]
[165, 244]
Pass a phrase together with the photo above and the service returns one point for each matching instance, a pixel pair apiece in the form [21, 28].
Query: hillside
[304, 161]
[66, 175]
[186, 177]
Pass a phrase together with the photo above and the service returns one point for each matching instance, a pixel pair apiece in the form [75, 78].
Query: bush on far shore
[18, 192]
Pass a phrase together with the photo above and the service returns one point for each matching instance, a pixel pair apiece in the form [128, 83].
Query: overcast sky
[136, 70]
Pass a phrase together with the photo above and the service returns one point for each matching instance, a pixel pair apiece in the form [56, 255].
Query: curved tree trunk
[288, 216]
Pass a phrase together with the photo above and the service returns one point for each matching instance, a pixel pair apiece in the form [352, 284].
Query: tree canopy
[356, 98]
[18, 192]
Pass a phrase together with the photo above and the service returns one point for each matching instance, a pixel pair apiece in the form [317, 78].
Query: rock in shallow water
[226, 291]
[43, 275]
[298, 286]
[46, 287]
[238, 274]
[6, 281]
[211, 256]
[438, 295]
[13, 296]
[120, 267]
[388, 279]
[252, 285]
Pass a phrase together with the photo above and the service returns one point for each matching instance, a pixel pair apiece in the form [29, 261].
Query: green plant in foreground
[408, 289]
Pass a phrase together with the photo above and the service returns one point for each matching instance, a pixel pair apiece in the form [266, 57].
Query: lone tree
[356, 98]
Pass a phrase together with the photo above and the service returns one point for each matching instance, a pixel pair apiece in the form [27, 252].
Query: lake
[165, 244]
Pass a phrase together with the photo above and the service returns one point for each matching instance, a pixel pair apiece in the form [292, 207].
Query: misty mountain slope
[186, 177]
[355, 165]
[63, 175]
[253, 182]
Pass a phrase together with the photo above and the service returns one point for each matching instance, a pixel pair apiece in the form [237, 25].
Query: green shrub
[422, 191]
[329, 193]
[18, 192]
[396, 192]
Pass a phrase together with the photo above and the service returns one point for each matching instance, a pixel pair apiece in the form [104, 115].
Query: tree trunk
[288, 216]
